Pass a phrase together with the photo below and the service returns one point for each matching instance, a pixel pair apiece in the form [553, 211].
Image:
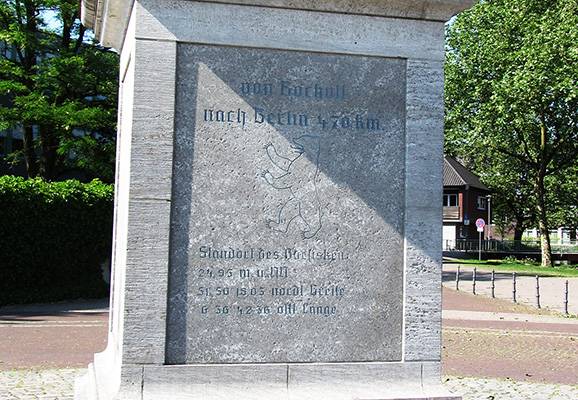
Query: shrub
[525, 260]
[54, 236]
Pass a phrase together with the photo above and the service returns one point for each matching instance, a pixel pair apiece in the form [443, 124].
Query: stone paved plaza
[482, 338]
[57, 384]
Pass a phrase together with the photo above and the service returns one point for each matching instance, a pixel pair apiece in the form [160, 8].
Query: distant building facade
[465, 200]
[559, 235]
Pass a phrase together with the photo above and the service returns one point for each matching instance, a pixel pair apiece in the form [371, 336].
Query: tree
[563, 191]
[60, 89]
[512, 200]
[512, 96]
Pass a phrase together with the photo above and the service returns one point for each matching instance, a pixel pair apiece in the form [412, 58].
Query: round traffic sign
[480, 223]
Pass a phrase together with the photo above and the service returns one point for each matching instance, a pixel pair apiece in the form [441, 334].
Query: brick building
[465, 200]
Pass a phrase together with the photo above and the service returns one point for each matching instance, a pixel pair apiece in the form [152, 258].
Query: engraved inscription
[278, 284]
[287, 213]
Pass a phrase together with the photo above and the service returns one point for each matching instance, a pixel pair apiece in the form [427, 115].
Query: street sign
[480, 223]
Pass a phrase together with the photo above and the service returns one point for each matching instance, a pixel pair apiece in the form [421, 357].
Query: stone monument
[278, 200]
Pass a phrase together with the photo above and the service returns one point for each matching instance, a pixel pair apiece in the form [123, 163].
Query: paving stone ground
[500, 350]
[57, 384]
[484, 337]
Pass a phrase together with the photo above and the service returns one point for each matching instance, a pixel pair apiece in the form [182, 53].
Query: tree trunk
[29, 152]
[541, 194]
[518, 232]
[543, 222]
[545, 244]
[29, 62]
[48, 157]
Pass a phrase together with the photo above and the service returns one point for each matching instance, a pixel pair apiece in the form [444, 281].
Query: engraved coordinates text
[253, 290]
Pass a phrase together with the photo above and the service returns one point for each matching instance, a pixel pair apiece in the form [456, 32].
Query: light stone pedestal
[278, 200]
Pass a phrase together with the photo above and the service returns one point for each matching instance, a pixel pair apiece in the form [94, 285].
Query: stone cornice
[109, 18]
[434, 10]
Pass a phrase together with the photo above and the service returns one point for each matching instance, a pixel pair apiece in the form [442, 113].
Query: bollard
[458, 279]
[566, 298]
[493, 284]
[474, 281]
[538, 291]
[514, 287]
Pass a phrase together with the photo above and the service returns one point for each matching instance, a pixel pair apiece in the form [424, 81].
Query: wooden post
[514, 287]
[493, 284]
[458, 278]
[538, 291]
[474, 281]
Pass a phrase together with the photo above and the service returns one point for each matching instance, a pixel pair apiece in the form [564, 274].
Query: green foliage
[59, 85]
[564, 199]
[512, 103]
[514, 260]
[54, 237]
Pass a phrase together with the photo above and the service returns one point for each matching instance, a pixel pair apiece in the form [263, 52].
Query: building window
[450, 200]
[482, 203]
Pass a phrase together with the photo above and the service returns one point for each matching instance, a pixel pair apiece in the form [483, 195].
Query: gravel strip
[50, 384]
[498, 389]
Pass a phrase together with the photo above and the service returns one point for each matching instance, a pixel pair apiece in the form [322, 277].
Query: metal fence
[508, 246]
[482, 277]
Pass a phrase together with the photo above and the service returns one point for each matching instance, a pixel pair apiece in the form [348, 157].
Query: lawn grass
[521, 268]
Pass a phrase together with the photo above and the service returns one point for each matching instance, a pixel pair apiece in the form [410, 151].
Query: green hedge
[53, 237]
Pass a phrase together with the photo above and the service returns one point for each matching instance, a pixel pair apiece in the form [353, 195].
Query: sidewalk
[551, 289]
[60, 335]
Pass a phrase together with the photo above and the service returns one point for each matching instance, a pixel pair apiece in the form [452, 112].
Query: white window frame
[447, 202]
[483, 204]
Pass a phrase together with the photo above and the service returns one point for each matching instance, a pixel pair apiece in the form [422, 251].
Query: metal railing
[482, 277]
[507, 246]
